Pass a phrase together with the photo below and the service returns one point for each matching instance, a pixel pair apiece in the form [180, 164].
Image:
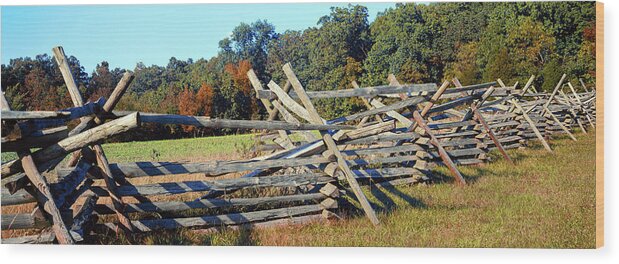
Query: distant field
[546, 201]
[171, 150]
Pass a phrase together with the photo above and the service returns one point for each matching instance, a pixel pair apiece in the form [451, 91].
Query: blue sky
[126, 34]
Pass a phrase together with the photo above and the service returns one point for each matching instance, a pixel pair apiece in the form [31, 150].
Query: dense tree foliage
[476, 42]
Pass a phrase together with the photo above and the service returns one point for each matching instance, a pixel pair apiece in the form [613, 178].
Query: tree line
[419, 43]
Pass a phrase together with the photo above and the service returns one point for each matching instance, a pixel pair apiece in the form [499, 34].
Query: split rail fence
[71, 190]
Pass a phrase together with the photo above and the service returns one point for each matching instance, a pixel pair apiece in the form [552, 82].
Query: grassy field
[545, 201]
[171, 150]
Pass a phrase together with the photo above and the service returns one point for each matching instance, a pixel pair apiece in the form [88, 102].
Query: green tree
[465, 65]
[551, 74]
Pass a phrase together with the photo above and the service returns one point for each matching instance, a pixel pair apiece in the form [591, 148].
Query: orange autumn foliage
[187, 105]
[204, 99]
[240, 80]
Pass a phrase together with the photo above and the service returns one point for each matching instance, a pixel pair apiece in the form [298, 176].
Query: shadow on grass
[440, 177]
[388, 204]
[382, 202]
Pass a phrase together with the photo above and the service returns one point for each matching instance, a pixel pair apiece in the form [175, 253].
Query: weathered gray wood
[383, 137]
[458, 153]
[23, 115]
[288, 117]
[65, 70]
[117, 93]
[411, 89]
[379, 110]
[367, 131]
[428, 106]
[460, 142]
[453, 104]
[201, 121]
[76, 142]
[84, 216]
[273, 109]
[490, 118]
[451, 124]
[443, 154]
[22, 221]
[434, 98]
[40, 139]
[43, 238]
[558, 122]
[459, 134]
[171, 188]
[109, 105]
[499, 92]
[43, 194]
[490, 133]
[290, 103]
[366, 102]
[19, 197]
[583, 85]
[580, 105]
[219, 185]
[571, 110]
[175, 206]
[330, 144]
[110, 183]
[219, 220]
[382, 150]
[532, 125]
[472, 87]
[214, 168]
[34, 125]
[397, 116]
[554, 92]
[469, 113]
[255, 83]
[527, 85]
[457, 83]
[69, 182]
[45, 198]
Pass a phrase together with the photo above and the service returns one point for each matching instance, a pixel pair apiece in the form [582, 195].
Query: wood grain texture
[76, 142]
[218, 220]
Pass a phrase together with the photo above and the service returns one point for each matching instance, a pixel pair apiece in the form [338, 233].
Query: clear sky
[126, 34]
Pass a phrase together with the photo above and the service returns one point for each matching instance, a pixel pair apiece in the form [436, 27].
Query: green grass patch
[170, 150]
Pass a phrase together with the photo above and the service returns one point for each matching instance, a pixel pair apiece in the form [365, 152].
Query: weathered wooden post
[76, 97]
[554, 92]
[527, 85]
[583, 85]
[330, 143]
[532, 125]
[556, 119]
[571, 110]
[580, 104]
[44, 195]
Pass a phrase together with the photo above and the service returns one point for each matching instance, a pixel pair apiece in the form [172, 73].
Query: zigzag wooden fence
[406, 130]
